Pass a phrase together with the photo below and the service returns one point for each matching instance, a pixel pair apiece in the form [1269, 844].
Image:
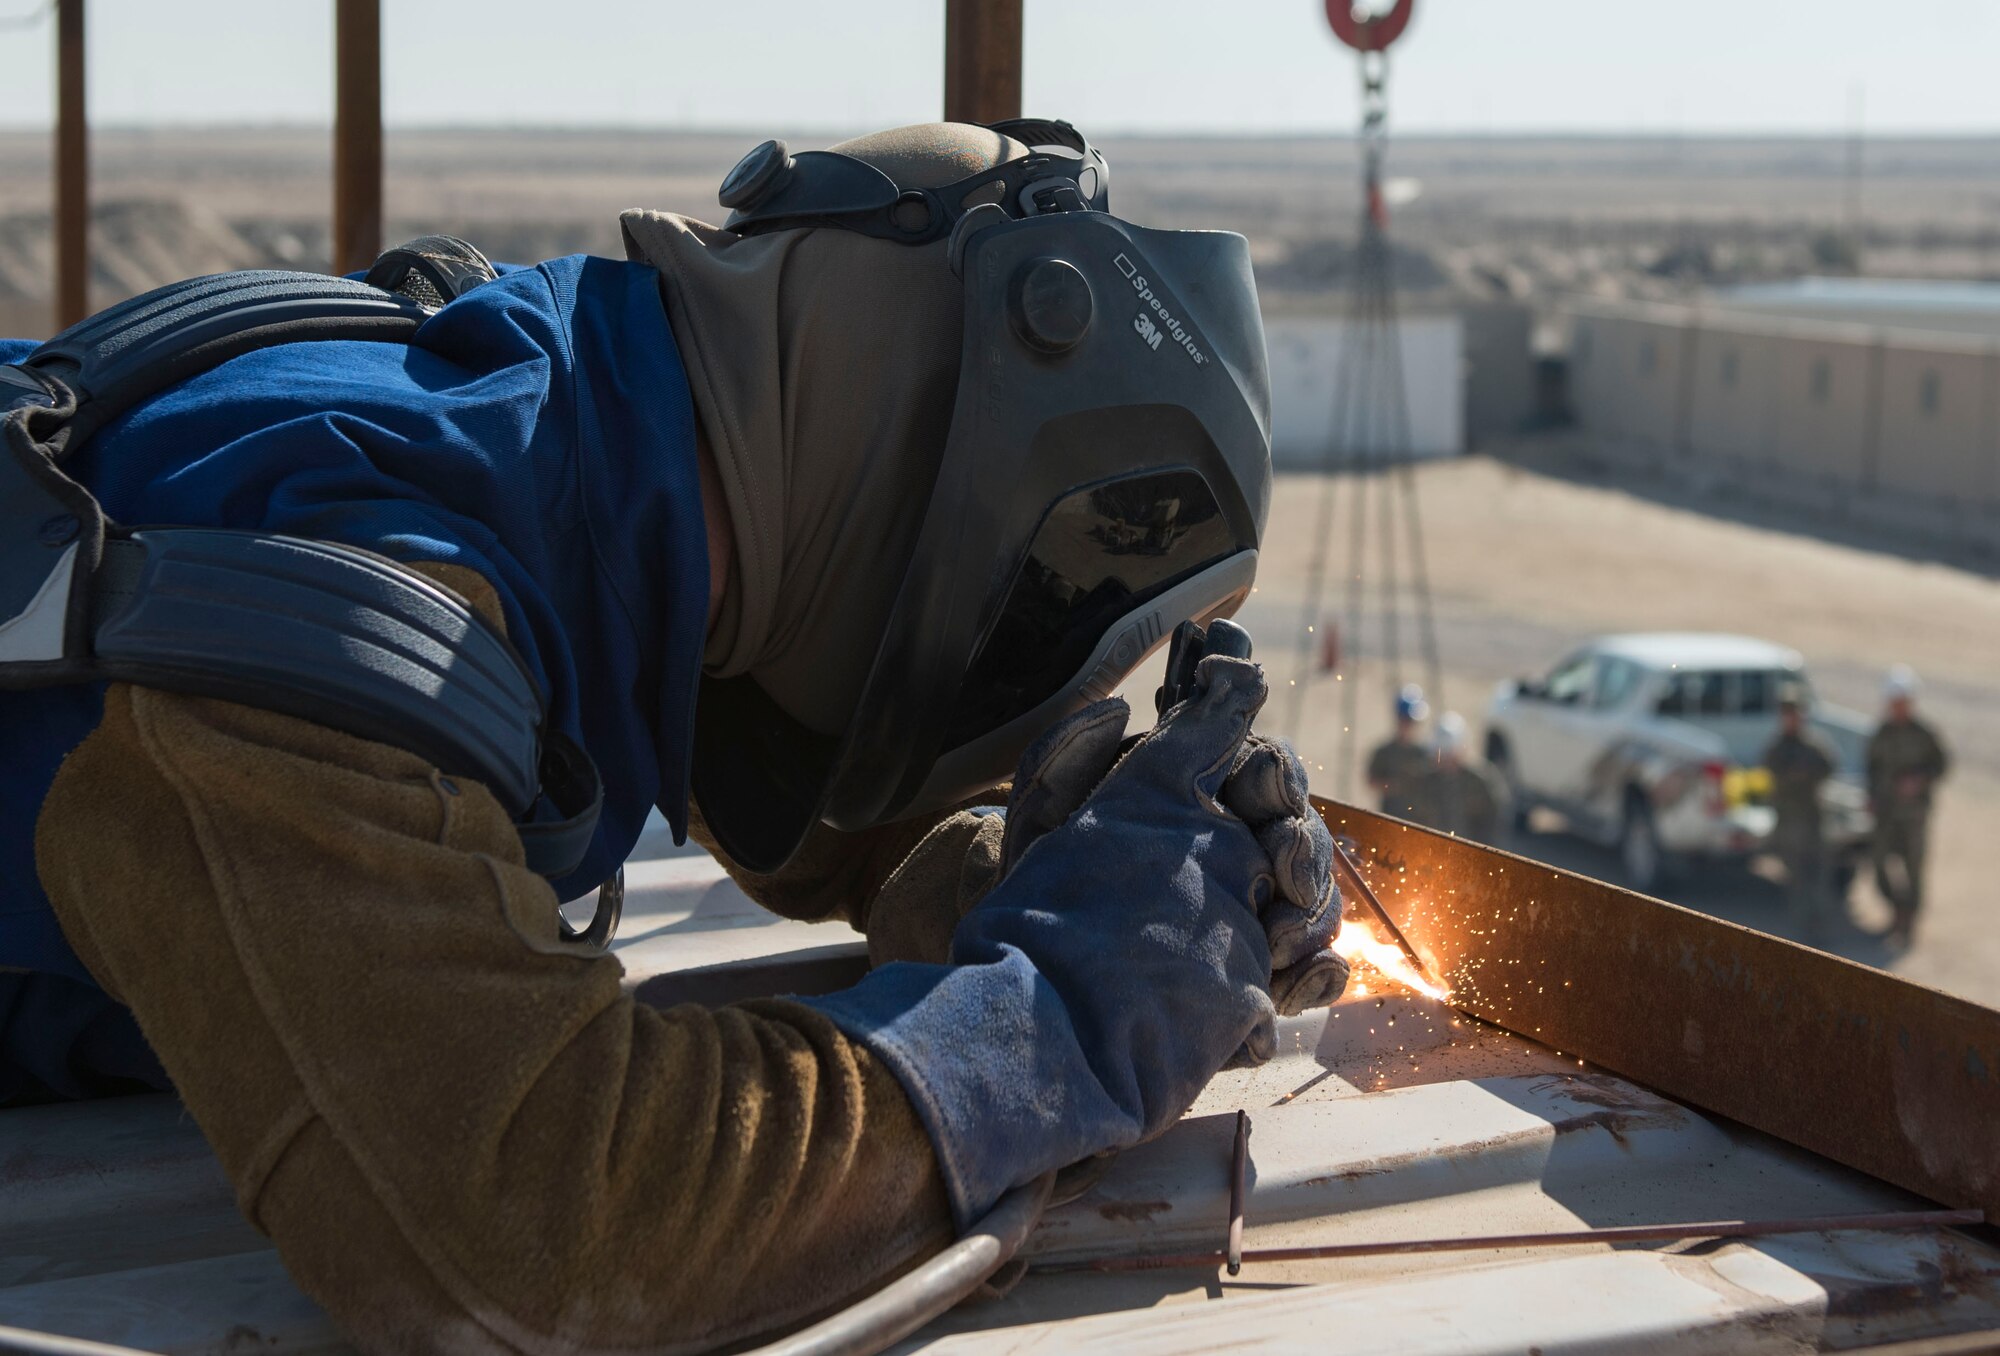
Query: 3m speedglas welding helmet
[1107, 475]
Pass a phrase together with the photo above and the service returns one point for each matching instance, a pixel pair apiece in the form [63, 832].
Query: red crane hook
[1373, 33]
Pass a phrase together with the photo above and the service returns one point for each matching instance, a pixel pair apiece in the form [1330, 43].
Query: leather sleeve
[836, 875]
[460, 1132]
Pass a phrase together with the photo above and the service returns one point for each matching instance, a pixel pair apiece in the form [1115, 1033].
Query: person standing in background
[1456, 795]
[1800, 762]
[1906, 760]
[1401, 761]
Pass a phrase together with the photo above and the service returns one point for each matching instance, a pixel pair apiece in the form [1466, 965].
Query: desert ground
[1535, 548]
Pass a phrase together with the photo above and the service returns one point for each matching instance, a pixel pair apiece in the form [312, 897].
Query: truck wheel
[1501, 759]
[1639, 848]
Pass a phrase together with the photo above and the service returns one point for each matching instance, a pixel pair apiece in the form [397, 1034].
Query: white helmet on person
[1451, 737]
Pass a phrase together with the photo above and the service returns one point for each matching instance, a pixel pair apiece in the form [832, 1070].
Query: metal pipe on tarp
[915, 1298]
[27, 1342]
[1614, 1233]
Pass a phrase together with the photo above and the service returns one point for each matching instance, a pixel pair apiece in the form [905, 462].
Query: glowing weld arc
[1403, 964]
[1356, 944]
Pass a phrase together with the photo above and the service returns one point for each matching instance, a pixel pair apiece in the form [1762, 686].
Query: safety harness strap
[138, 348]
[331, 634]
[308, 628]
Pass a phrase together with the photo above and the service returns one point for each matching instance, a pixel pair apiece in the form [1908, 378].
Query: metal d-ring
[1371, 32]
[603, 918]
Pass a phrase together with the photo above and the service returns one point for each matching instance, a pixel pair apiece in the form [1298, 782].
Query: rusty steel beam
[1870, 1070]
[357, 134]
[72, 215]
[982, 60]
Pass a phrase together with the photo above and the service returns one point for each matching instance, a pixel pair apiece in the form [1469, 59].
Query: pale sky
[1657, 66]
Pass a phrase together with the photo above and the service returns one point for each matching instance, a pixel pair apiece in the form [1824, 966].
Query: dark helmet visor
[1100, 552]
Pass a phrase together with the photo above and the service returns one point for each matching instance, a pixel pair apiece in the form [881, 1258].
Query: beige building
[1871, 400]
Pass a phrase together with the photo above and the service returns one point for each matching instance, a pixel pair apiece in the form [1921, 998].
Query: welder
[1458, 793]
[809, 531]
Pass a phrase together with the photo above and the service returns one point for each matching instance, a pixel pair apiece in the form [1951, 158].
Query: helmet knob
[754, 176]
[1051, 304]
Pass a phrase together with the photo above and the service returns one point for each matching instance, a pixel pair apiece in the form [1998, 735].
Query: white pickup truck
[1653, 744]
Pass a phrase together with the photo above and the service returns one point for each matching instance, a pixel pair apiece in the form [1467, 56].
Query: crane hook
[1372, 32]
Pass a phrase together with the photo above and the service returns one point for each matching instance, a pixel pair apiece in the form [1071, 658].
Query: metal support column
[72, 170]
[982, 60]
[357, 134]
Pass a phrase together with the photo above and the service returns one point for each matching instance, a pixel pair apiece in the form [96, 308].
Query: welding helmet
[1105, 477]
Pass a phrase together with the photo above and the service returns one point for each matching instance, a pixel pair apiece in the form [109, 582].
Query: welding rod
[1238, 1169]
[1616, 1233]
[1340, 855]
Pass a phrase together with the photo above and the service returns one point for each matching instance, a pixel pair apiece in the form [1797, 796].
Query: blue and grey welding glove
[1113, 970]
[1298, 903]
[1296, 900]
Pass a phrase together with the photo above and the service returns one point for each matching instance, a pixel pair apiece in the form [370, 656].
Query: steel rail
[1615, 1233]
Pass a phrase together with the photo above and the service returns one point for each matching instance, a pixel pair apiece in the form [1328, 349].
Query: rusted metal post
[72, 169]
[357, 134]
[982, 60]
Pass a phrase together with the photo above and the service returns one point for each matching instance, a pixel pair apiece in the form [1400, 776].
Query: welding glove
[1296, 899]
[919, 906]
[874, 880]
[1112, 971]
[1298, 902]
